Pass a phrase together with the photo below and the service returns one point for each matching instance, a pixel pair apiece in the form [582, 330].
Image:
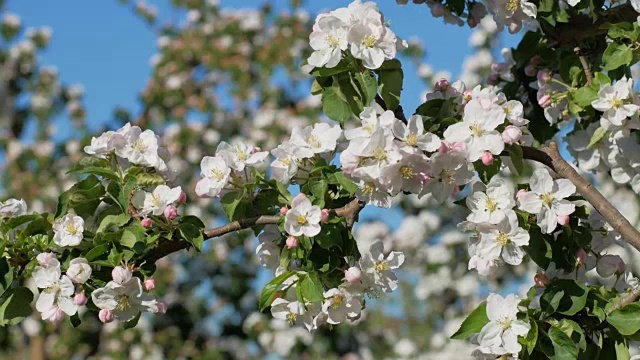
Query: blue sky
[104, 46]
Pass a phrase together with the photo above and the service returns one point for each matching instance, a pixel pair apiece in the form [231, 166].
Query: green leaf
[6, 275]
[334, 105]
[124, 196]
[584, 96]
[487, 172]
[236, 205]
[616, 55]
[311, 288]
[16, 306]
[330, 236]
[105, 173]
[626, 319]
[600, 79]
[192, 234]
[369, 86]
[622, 30]
[318, 188]
[110, 221]
[596, 137]
[390, 84]
[563, 347]
[149, 180]
[564, 296]
[97, 252]
[269, 290]
[532, 336]
[133, 322]
[193, 220]
[473, 323]
[338, 178]
[517, 158]
[75, 320]
[343, 66]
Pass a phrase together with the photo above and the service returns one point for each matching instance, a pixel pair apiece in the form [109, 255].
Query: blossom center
[242, 156]
[380, 155]
[156, 200]
[333, 41]
[381, 266]
[505, 322]
[491, 205]
[337, 302]
[616, 103]
[547, 199]
[502, 239]
[446, 175]
[302, 220]
[476, 129]
[124, 302]
[369, 41]
[313, 141]
[291, 317]
[139, 145]
[72, 229]
[512, 5]
[406, 172]
[368, 188]
[412, 139]
[217, 174]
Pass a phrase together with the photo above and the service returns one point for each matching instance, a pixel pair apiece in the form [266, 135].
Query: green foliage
[473, 323]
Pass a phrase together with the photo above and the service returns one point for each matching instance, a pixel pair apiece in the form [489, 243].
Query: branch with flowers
[461, 143]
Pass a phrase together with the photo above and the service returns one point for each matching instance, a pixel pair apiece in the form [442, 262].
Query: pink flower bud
[182, 198]
[352, 274]
[544, 76]
[530, 70]
[621, 266]
[581, 256]
[80, 299]
[472, 22]
[487, 158]
[162, 307]
[150, 284]
[536, 60]
[545, 101]
[511, 134]
[541, 280]
[458, 146]
[455, 191]
[105, 315]
[121, 275]
[57, 317]
[170, 212]
[444, 147]
[324, 217]
[437, 10]
[292, 242]
[47, 259]
[146, 223]
[467, 95]
[563, 219]
[520, 193]
[256, 150]
[492, 79]
[442, 85]
[284, 210]
[424, 177]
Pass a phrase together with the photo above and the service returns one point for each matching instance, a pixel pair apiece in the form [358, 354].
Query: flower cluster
[132, 147]
[361, 28]
[61, 294]
[373, 275]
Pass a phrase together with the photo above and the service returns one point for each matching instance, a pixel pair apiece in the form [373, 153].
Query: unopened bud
[105, 315]
[170, 212]
[487, 158]
[121, 275]
[150, 284]
[544, 76]
[284, 210]
[581, 256]
[57, 317]
[530, 70]
[563, 219]
[442, 85]
[80, 299]
[292, 242]
[541, 280]
[182, 198]
[324, 217]
[511, 134]
[352, 274]
[536, 60]
[544, 101]
[146, 223]
[162, 307]
[520, 193]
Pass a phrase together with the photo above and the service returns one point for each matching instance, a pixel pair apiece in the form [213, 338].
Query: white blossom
[159, 199]
[215, 175]
[79, 270]
[303, 218]
[500, 335]
[124, 300]
[68, 230]
[377, 269]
